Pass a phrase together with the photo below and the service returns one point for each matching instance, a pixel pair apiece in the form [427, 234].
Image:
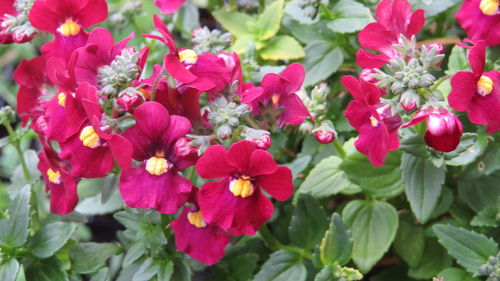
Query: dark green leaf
[298, 165]
[9, 269]
[433, 261]
[308, 223]
[336, 246]
[135, 252]
[50, 238]
[325, 178]
[147, 270]
[14, 229]
[423, 183]
[455, 274]
[457, 60]
[350, 16]
[374, 225]
[89, 257]
[46, 270]
[489, 216]
[282, 47]
[282, 266]
[182, 272]
[243, 266]
[481, 192]
[322, 60]
[469, 248]
[326, 274]
[409, 242]
[101, 275]
[165, 270]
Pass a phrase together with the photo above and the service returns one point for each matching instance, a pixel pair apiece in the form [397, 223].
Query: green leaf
[147, 270]
[14, 229]
[243, 266]
[135, 252]
[92, 206]
[282, 47]
[165, 270]
[481, 192]
[89, 257]
[409, 243]
[325, 178]
[457, 60]
[469, 248]
[433, 261]
[299, 164]
[350, 16]
[101, 275]
[50, 238]
[182, 272]
[326, 274]
[373, 225]
[321, 61]
[489, 216]
[308, 223]
[455, 274]
[470, 147]
[234, 22]
[9, 270]
[423, 183]
[336, 246]
[282, 266]
[269, 21]
[46, 270]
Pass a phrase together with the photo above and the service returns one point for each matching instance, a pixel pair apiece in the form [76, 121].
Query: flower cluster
[96, 113]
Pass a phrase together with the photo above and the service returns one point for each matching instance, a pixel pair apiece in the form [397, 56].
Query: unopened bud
[367, 74]
[324, 137]
[260, 138]
[410, 100]
[7, 113]
[306, 127]
[224, 132]
[130, 100]
[184, 150]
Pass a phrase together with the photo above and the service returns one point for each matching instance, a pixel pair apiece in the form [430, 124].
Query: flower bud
[130, 100]
[410, 100]
[367, 75]
[260, 138]
[184, 150]
[224, 132]
[306, 127]
[324, 137]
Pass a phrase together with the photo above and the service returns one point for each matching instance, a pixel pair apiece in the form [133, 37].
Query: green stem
[440, 81]
[339, 148]
[273, 244]
[15, 142]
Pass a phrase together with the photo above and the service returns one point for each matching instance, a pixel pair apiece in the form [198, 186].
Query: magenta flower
[377, 126]
[481, 20]
[7, 12]
[278, 93]
[236, 202]
[393, 19]
[156, 182]
[444, 129]
[169, 6]
[193, 235]
[477, 92]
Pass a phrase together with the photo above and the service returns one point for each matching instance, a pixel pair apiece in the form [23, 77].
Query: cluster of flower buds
[14, 23]
[491, 269]
[213, 41]
[97, 113]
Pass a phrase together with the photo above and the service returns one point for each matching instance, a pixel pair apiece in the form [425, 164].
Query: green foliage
[336, 246]
[308, 223]
[349, 16]
[281, 266]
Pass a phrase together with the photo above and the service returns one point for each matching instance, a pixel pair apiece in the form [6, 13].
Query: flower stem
[440, 81]
[17, 145]
[339, 148]
[274, 244]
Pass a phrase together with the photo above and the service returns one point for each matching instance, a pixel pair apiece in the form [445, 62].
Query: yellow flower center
[61, 99]
[196, 219]
[374, 121]
[275, 98]
[54, 176]
[69, 28]
[188, 56]
[156, 166]
[241, 187]
[89, 137]
[485, 85]
[489, 7]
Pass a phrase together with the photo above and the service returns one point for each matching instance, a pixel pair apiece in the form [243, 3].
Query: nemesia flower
[481, 20]
[394, 18]
[168, 6]
[193, 235]
[236, 202]
[377, 126]
[477, 92]
[156, 182]
[444, 129]
[60, 184]
[279, 93]
[93, 150]
[67, 19]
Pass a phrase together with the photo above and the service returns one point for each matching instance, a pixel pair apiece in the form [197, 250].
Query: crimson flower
[278, 92]
[236, 202]
[444, 129]
[377, 126]
[156, 182]
[394, 18]
[481, 20]
[477, 92]
[169, 6]
[193, 235]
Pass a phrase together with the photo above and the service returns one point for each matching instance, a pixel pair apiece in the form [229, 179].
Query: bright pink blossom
[394, 18]
[477, 92]
[444, 129]
[169, 6]
[236, 202]
[278, 92]
[156, 182]
[480, 23]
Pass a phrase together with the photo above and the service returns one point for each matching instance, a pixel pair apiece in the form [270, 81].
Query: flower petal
[278, 184]
[213, 163]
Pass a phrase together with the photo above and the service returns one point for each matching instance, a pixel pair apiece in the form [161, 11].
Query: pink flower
[156, 182]
[7, 13]
[377, 126]
[169, 6]
[477, 92]
[444, 129]
[236, 202]
[277, 93]
[193, 235]
[393, 19]
[481, 20]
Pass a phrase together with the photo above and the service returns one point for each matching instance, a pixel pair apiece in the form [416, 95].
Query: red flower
[278, 92]
[377, 126]
[477, 92]
[444, 129]
[156, 182]
[169, 6]
[62, 185]
[193, 235]
[481, 20]
[393, 19]
[236, 202]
